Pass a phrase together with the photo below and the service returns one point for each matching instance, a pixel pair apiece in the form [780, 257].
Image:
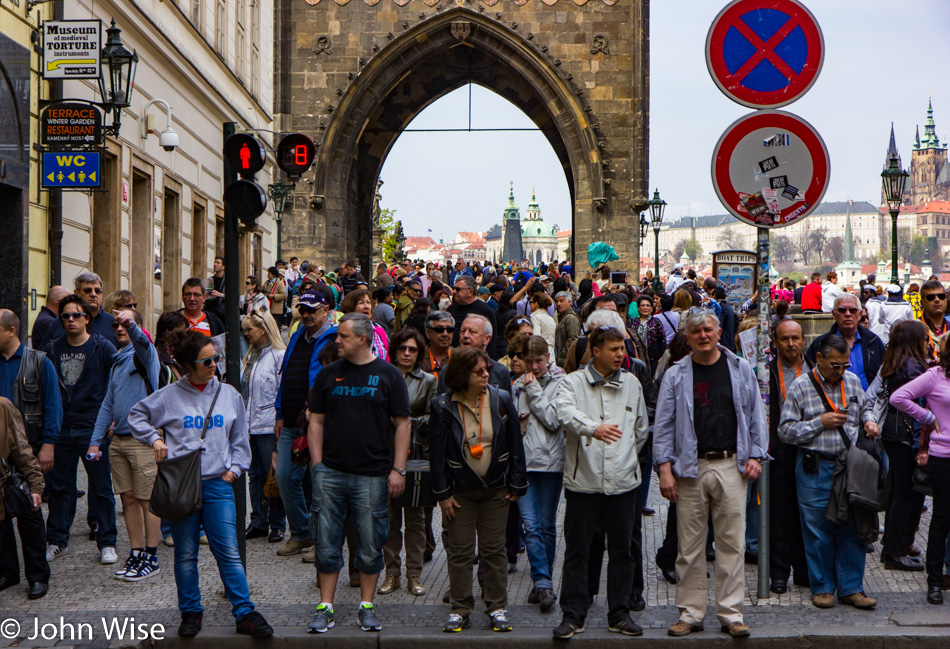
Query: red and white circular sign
[770, 168]
[764, 53]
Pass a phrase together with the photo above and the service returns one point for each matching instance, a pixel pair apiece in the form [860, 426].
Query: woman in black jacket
[478, 467]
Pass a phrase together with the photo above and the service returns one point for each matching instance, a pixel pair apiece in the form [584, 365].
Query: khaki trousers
[718, 487]
[415, 540]
[482, 513]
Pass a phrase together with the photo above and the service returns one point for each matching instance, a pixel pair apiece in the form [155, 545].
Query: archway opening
[451, 170]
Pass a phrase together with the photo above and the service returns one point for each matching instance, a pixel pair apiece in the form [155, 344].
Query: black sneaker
[254, 533]
[147, 566]
[625, 626]
[367, 618]
[275, 536]
[254, 625]
[190, 624]
[94, 532]
[565, 630]
[455, 624]
[500, 621]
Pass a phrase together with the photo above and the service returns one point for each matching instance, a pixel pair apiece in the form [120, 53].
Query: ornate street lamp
[117, 78]
[657, 208]
[644, 225]
[893, 179]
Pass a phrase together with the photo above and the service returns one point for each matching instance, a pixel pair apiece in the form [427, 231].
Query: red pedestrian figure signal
[245, 153]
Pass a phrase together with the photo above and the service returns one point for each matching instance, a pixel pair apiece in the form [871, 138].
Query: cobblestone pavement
[284, 590]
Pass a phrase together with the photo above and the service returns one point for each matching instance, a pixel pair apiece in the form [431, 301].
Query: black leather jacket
[451, 473]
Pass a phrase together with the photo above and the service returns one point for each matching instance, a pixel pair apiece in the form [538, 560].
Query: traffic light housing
[244, 198]
[295, 154]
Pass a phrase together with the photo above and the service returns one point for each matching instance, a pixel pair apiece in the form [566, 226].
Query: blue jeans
[290, 481]
[69, 450]
[835, 555]
[364, 501]
[264, 511]
[539, 516]
[752, 518]
[217, 514]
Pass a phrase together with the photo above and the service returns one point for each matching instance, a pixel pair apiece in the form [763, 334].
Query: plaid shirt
[801, 415]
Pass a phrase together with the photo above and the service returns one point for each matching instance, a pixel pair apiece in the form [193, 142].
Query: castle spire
[930, 141]
[917, 139]
[892, 149]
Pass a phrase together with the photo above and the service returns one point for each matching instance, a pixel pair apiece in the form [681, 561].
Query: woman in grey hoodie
[181, 409]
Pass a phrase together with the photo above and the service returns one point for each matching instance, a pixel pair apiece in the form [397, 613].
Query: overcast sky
[880, 66]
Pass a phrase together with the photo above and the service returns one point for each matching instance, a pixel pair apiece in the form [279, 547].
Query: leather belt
[717, 455]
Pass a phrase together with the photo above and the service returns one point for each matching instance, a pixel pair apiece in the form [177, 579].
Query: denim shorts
[339, 496]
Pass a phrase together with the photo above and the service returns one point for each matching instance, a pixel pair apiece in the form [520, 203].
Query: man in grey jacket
[709, 439]
[604, 415]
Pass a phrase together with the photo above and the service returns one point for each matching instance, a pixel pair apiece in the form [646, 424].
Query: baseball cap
[545, 278]
[483, 290]
[312, 299]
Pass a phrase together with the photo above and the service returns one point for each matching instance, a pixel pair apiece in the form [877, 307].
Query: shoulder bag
[418, 491]
[15, 491]
[177, 491]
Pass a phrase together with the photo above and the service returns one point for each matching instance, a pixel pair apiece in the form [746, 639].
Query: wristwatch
[400, 470]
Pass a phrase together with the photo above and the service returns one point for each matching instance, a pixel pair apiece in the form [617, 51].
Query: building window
[255, 47]
[923, 220]
[196, 11]
[221, 29]
[239, 54]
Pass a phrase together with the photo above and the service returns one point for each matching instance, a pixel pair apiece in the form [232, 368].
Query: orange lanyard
[435, 366]
[481, 413]
[844, 402]
[781, 375]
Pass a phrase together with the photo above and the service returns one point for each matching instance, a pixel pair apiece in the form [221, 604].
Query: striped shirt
[801, 414]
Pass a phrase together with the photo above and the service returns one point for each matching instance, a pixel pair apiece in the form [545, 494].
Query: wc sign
[71, 170]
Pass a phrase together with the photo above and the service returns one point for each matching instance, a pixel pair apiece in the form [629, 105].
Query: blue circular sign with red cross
[764, 53]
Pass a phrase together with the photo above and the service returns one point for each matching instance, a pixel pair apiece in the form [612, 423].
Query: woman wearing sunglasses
[407, 350]
[478, 468]
[182, 410]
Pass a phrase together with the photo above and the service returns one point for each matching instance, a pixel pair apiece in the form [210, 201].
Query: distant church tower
[929, 173]
[511, 247]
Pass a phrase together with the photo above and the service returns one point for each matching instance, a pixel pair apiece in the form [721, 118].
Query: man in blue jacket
[134, 376]
[82, 361]
[867, 350]
[299, 371]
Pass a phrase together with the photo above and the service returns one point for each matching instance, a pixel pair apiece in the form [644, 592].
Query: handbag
[15, 490]
[300, 451]
[271, 490]
[176, 494]
[922, 482]
[418, 491]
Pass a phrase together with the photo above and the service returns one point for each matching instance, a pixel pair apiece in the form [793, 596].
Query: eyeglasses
[930, 297]
[481, 371]
[208, 361]
[132, 305]
[72, 316]
[407, 348]
[442, 330]
[307, 309]
[89, 289]
[414, 290]
[844, 310]
[247, 283]
[460, 288]
[522, 320]
[839, 366]
[695, 310]
[516, 355]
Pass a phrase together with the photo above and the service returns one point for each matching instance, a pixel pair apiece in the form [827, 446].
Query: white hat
[893, 289]
[678, 267]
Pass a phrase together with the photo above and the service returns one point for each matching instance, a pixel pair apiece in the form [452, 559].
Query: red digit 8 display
[295, 154]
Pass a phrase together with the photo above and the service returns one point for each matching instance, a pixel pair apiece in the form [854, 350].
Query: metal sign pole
[762, 373]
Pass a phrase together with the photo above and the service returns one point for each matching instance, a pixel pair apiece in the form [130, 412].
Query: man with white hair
[709, 441]
[867, 350]
[476, 331]
[467, 303]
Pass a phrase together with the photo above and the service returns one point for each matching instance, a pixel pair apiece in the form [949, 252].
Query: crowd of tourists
[491, 393]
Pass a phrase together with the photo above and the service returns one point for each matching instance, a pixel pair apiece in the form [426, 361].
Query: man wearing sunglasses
[933, 303]
[821, 406]
[83, 361]
[867, 350]
[465, 304]
[440, 328]
[300, 367]
[89, 288]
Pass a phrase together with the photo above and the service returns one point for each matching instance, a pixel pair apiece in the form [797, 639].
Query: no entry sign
[764, 53]
[770, 168]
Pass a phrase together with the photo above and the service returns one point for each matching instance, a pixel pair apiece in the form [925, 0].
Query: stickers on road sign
[71, 170]
[765, 186]
[764, 53]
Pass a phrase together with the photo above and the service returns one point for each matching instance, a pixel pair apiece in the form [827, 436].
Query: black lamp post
[117, 78]
[657, 208]
[893, 178]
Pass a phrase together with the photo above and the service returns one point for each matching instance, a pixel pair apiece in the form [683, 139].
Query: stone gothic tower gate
[354, 73]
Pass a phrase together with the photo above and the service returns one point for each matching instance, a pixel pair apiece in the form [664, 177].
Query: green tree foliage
[390, 227]
[693, 249]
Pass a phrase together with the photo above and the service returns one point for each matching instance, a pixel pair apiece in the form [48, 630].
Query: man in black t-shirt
[354, 404]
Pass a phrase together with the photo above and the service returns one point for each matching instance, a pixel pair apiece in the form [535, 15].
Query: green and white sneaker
[322, 620]
[367, 618]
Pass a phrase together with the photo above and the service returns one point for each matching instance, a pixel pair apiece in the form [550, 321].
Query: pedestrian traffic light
[295, 154]
[245, 153]
[244, 198]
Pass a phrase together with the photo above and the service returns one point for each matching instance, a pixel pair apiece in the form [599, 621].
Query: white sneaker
[53, 551]
[108, 556]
